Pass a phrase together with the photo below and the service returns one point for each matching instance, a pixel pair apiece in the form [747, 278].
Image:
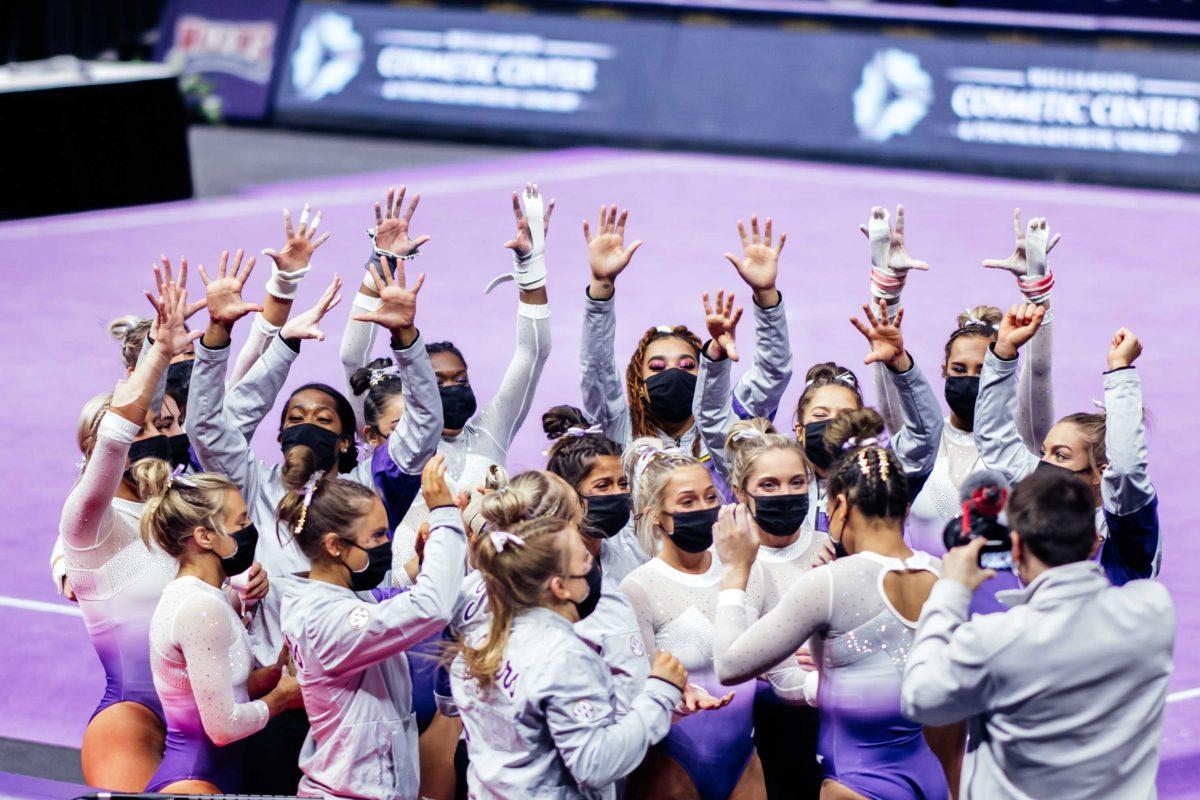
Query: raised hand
[224, 293]
[162, 277]
[399, 303]
[170, 310]
[1028, 259]
[888, 243]
[391, 228]
[298, 245]
[1125, 349]
[433, 483]
[522, 243]
[307, 324]
[1018, 327]
[759, 264]
[607, 254]
[722, 321]
[885, 337]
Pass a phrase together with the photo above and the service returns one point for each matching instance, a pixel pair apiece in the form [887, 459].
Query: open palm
[299, 243]
[759, 264]
[887, 243]
[224, 293]
[722, 321]
[607, 254]
[391, 227]
[398, 306]
[307, 324]
[883, 334]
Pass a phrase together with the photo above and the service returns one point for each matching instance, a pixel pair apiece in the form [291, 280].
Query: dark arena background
[132, 129]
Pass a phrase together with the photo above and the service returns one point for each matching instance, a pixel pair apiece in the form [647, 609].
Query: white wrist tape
[284, 284]
[529, 273]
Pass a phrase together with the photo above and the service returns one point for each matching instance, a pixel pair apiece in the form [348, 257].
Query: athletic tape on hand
[285, 284]
[529, 273]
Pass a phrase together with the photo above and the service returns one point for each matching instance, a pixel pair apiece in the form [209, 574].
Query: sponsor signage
[1050, 110]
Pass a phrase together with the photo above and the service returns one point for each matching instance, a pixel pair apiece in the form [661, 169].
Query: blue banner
[1050, 110]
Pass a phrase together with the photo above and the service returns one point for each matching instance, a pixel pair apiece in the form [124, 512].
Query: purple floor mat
[1127, 258]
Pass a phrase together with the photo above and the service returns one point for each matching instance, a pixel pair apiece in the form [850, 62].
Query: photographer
[1063, 693]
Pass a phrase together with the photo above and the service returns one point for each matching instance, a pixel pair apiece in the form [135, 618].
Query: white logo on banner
[327, 57]
[895, 94]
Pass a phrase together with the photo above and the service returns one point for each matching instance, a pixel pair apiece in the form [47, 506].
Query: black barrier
[1069, 110]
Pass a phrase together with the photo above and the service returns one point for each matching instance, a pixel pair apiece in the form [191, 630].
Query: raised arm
[890, 265]
[996, 434]
[1134, 546]
[220, 445]
[917, 440]
[87, 506]
[758, 392]
[713, 405]
[288, 268]
[398, 623]
[416, 435]
[1030, 265]
[601, 384]
[741, 651]
[390, 239]
[501, 417]
[601, 747]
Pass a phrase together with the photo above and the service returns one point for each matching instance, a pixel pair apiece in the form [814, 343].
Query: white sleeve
[504, 414]
[206, 633]
[1035, 410]
[261, 333]
[743, 652]
[357, 342]
[415, 438]
[996, 434]
[88, 506]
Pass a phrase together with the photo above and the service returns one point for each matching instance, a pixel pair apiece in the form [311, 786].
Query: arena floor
[1127, 258]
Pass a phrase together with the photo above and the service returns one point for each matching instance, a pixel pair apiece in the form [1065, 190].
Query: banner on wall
[227, 50]
[1054, 110]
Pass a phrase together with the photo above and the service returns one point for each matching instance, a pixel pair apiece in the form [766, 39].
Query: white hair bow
[502, 538]
[747, 434]
[576, 431]
[664, 329]
[381, 374]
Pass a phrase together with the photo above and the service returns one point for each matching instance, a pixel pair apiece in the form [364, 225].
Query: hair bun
[981, 315]
[860, 424]
[559, 419]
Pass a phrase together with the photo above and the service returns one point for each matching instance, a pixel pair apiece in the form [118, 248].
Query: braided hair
[641, 418]
[867, 473]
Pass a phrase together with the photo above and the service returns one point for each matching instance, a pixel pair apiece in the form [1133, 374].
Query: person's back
[1064, 693]
[1080, 677]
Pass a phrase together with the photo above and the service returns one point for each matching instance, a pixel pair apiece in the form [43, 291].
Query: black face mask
[961, 391]
[180, 455]
[379, 561]
[780, 514]
[322, 441]
[458, 405]
[814, 444]
[1058, 469]
[671, 393]
[243, 557]
[588, 604]
[152, 447]
[179, 376]
[693, 529]
[607, 514]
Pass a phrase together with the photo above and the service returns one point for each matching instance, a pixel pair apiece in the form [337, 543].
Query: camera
[983, 496]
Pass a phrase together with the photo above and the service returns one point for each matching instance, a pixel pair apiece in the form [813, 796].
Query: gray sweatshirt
[757, 393]
[549, 728]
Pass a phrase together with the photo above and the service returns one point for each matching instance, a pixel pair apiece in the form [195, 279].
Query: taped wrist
[285, 284]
